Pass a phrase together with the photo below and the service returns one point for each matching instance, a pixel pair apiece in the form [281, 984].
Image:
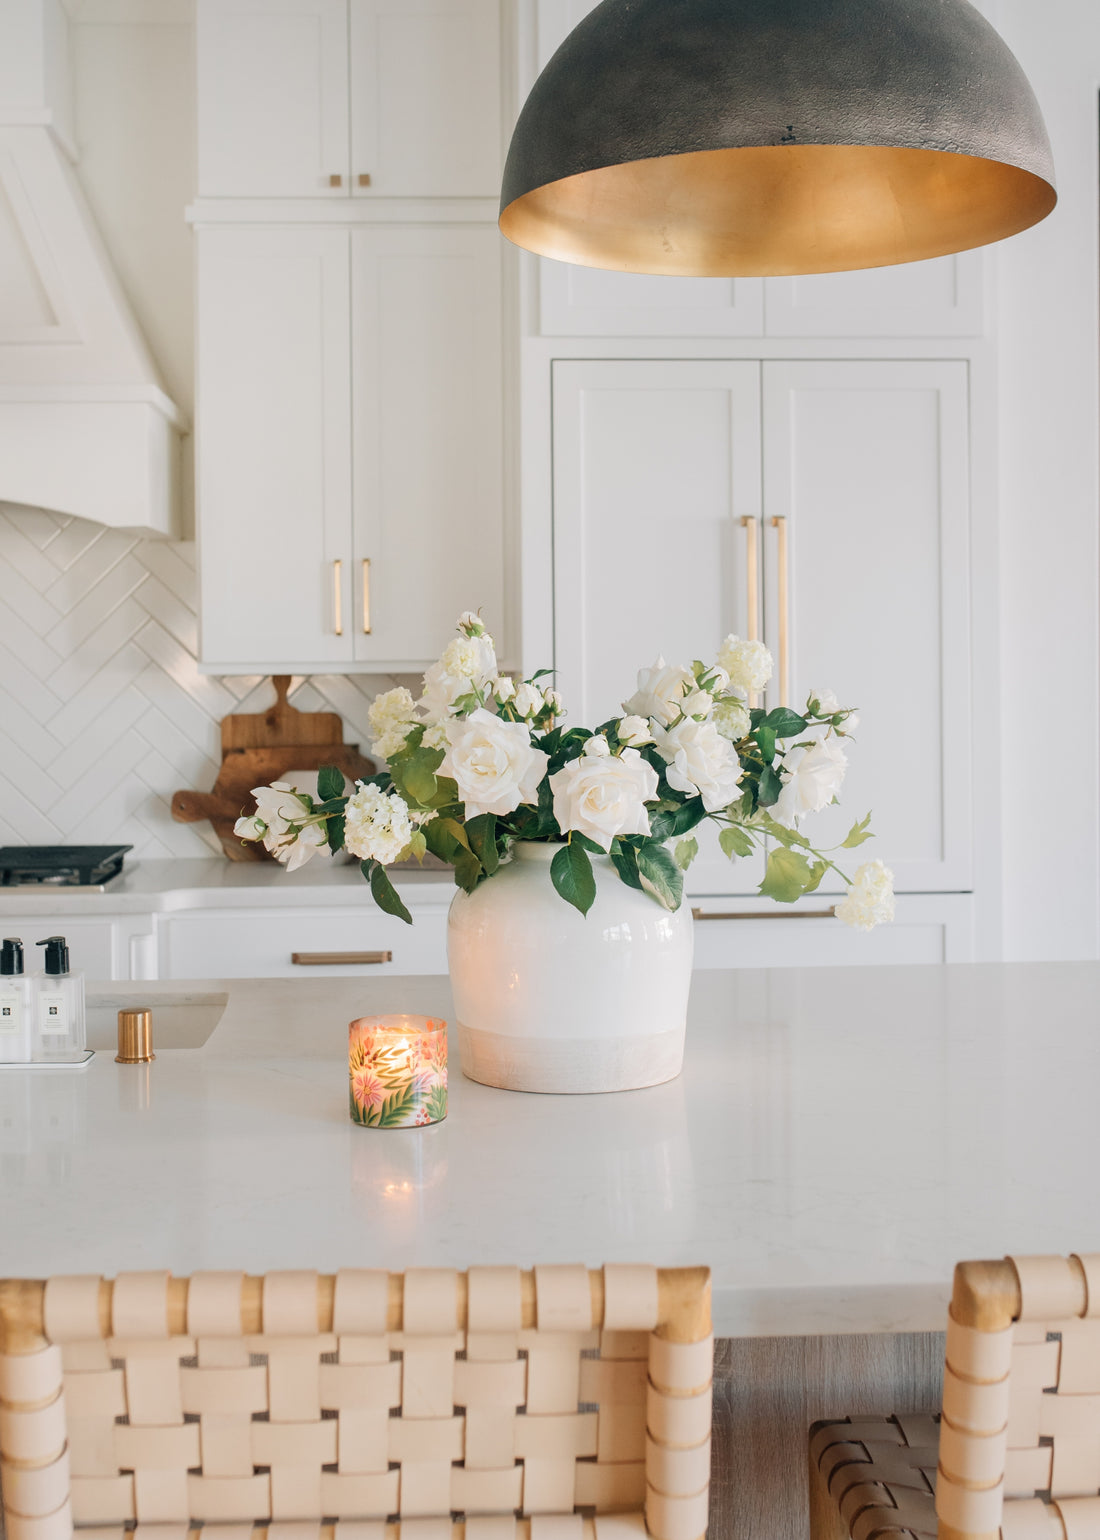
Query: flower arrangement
[482, 760]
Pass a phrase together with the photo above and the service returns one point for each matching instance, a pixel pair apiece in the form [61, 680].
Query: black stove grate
[60, 865]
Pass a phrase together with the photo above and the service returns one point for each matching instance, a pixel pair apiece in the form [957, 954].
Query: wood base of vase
[570, 1066]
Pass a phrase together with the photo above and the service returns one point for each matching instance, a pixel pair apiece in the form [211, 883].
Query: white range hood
[86, 428]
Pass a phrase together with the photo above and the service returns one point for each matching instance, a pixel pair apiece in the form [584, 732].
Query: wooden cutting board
[261, 747]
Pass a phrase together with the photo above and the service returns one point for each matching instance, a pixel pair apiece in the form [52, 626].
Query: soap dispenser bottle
[16, 1015]
[59, 1010]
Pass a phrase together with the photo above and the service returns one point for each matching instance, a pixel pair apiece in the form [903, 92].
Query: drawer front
[93, 948]
[225, 944]
[927, 929]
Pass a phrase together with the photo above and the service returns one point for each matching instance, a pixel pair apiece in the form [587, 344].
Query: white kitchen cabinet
[273, 480]
[941, 298]
[592, 302]
[349, 443]
[106, 947]
[331, 98]
[359, 940]
[865, 468]
[928, 928]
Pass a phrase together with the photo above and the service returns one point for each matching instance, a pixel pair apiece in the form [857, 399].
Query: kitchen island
[838, 1139]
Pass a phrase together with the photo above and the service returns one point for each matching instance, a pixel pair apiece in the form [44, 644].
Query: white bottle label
[53, 1018]
[11, 1013]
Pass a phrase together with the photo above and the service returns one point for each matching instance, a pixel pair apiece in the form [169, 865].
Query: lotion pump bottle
[16, 997]
[59, 1026]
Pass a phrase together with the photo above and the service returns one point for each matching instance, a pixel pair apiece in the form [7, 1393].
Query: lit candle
[397, 1071]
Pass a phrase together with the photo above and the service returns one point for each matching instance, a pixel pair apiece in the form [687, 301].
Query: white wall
[1050, 448]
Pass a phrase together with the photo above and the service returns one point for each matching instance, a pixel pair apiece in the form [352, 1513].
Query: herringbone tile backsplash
[103, 712]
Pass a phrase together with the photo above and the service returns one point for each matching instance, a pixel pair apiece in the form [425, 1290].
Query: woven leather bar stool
[553, 1405]
[1015, 1454]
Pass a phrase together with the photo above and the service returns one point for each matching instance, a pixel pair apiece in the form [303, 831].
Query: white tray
[54, 1064]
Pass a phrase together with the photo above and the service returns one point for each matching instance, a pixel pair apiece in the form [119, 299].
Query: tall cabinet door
[425, 109]
[867, 464]
[656, 464]
[274, 447]
[427, 437]
[273, 98]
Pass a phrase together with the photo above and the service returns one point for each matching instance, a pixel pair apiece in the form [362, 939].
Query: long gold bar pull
[751, 526]
[366, 595]
[780, 526]
[338, 597]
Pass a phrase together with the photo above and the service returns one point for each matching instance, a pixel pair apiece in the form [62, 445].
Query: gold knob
[336, 180]
[364, 179]
[135, 1037]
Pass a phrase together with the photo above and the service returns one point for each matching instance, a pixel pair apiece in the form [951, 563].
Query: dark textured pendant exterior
[741, 137]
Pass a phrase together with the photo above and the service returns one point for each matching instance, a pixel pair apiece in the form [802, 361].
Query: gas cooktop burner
[65, 866]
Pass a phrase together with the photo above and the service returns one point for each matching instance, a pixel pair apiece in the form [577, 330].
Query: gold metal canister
[135, 1037]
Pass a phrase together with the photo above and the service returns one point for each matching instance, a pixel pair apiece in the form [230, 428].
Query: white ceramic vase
[548, 999]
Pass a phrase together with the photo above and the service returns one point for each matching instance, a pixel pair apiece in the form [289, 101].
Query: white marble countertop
[839, 1138]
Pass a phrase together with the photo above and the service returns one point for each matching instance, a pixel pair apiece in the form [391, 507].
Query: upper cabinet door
[273, 98]
[591, 302]
[868, 465]
[942, 298]
[426, 80]
[429, 522]
[274, 450]
[656, 465]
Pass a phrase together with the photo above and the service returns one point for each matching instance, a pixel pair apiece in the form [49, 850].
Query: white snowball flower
[699, 761]
[602, 797]
[597, 748]
[377, 825]
[748, 664]
[660, 691]
[493, 763]
[870, 899]
[466, 662]
[504, 689]
[392, 717]
[811, 778]
[528, 701]
[435, 736]
[823, 702]
[634, 731]
[731, 718]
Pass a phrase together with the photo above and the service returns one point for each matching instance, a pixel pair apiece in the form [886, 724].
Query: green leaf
[482, 835]
[452, 827]
[784, 722]
[686, 851]
[681, 818]
[787, 877]
[418, 775]
[330, 783]
[571, 873]
[624, 858]
[817, 871]
[335, 832]
[418, 845]
[468, 869]
[767, 794]
[384, 893]
[396, 1108]
[734, 841]
[588, 844]
[785, 836]
[859, 832]
[437, 1103]
[765, 742]
[660, 875]
[439, 841]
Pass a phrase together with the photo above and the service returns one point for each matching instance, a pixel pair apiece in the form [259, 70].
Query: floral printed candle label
[397, 1071]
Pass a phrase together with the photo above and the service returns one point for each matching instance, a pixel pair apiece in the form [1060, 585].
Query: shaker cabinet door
[429, 521]
[273, 98]
[425, 98]
[866, 469]
[274, 448]
[656, 468]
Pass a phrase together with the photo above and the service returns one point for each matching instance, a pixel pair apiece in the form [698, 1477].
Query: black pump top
[11, 955]
[57, 954]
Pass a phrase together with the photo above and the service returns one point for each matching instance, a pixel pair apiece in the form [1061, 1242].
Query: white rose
[719, 680]
[392, 717]
[377, 826]
[700, 761]
[277, 807]
[851, 722]
[748, 664]
[597, 748]
[731, 719]
[250, 828]
[528, 701]
[604, 797]
[493, 763]
[312, 841]
[504, 689]
[466, 663]
[660, 691]
[471, 624]
[697, 703]
[634, 731]
[555, 701]
[870, 899]
[824, 702]
[811, 778]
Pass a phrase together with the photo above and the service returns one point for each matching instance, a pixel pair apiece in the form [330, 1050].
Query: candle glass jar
[397, 1071]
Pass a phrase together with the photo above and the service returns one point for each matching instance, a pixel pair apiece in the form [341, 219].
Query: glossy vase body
[547, 999]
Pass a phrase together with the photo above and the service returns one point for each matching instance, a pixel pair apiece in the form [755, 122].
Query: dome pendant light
[754, 137]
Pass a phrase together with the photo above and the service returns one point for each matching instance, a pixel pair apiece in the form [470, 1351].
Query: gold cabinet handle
[336, 180]
[752, 914]
[338, 597]
[751, 526]
[337, 959]
[366, 595]
[782, 563]
[364, 179]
